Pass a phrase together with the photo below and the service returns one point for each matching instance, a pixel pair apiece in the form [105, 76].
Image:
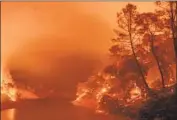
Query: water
[8, 114]
[50, 110]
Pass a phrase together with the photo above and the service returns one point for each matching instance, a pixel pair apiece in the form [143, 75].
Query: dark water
[50, 110]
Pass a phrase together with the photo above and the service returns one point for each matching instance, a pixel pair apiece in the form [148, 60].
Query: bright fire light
[135, 92]
[7, 86]
[101, 88]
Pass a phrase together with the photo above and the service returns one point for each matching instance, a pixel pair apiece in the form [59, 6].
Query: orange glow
[23, 22]
[135, 92]
[35, 35]
[94, 94]
[7, 86]
[84, 93]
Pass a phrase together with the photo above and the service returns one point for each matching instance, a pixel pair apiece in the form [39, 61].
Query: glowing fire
[7, 86]
[101, 88]
[9, 89]
[95, 94]
[135, 94]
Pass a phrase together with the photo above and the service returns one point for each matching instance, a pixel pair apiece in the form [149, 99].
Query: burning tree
[129, 39]
[118, 81]
[165, 105]
[8, 88]
[168, 12]
[122, 87]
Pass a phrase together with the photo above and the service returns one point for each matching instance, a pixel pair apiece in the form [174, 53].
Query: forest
[145, 42]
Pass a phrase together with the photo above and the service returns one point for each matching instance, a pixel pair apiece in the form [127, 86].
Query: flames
[93, 94]
[100, 88]
[8, 87]
[89, 94]
[135, 92]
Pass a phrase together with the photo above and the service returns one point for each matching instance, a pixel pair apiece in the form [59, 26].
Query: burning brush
[98, 89]
[92, 90]
[11, 90]
[8, 87]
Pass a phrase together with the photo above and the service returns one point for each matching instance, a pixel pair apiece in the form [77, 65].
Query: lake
[46, 109]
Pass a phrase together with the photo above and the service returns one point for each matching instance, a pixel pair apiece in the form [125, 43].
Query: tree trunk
[175, 42]
[135, 57]
[157, 61]
[173, 27]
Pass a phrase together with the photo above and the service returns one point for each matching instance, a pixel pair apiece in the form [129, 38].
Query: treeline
[145, 40]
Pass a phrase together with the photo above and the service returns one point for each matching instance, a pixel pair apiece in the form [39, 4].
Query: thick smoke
[56, 47]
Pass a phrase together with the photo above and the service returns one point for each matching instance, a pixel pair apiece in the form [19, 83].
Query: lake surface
[8, 114]
[50, 110]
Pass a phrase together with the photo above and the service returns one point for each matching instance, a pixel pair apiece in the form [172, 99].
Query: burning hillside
[7, 86]
[96, 93]
[123, 87]
[11, 90]
[99, 93]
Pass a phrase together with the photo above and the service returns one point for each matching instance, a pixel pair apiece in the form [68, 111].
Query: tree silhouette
[168, 11]
[143, 41]
[151, 25]
[128, 36]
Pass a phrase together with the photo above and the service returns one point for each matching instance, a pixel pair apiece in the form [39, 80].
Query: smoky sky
[56, 47]
[23, 22]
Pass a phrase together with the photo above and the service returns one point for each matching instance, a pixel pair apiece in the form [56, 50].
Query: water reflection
[50, 110]
[8, 114]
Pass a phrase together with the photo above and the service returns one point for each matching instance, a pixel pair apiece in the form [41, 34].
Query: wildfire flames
[97, 91]
[94, 93]
[7, 86]
[101, 88]
[89, 94]
[135, 94]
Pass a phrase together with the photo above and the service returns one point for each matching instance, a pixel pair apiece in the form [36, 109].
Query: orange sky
[38, 33]
[86, 26]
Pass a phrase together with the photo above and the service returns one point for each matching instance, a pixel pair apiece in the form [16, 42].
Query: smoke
[52, 44]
